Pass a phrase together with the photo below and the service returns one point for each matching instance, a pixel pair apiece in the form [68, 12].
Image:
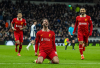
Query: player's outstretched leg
[28, 46]
[81, 49]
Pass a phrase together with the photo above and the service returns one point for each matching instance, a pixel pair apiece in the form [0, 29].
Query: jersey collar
[46, 31]
[20, 20]
[84, 15]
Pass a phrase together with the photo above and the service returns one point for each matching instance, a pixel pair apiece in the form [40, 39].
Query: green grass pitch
[68, 58]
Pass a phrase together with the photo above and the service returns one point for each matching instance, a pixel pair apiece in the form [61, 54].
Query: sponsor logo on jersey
[82, 23]
[45, 39]
[15, 22]
[18, 25]
[85, 19]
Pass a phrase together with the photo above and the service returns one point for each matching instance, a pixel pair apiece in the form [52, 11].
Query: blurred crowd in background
[60, 17]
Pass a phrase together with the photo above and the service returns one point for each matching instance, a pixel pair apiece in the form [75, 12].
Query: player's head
[19, 15]
[82, 11]
[34, 22]
[72, 24]
[45, 22]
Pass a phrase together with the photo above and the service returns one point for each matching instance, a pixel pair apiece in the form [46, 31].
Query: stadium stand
[60, 17]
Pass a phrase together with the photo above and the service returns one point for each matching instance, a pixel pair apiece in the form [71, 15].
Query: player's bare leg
[81, 49]
[32, 42]
[73, 44]
[16, 44]
[20, 47]
[39, 60]
[55, 60]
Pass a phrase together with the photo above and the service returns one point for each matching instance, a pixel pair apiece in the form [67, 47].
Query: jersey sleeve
[13, 21]
[35, 29]
[91, 26]
[54, 46]
[24, 22]
[76, 24]
[36, 42]
[69, 29]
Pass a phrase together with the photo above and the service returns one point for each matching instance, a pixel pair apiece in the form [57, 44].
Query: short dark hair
[34, 21]
[43, 20]
[19, 12]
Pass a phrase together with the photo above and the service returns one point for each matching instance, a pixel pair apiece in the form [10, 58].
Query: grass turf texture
[68, 58]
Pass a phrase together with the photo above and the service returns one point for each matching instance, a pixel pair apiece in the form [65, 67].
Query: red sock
[81, 49]
[16, 45]
[20, 47]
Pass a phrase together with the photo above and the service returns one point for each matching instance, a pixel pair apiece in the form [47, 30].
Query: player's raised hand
[21, 28]
[36, 54]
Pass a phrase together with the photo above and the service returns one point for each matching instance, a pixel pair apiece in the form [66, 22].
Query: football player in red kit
[47, 47]
[19, 25]
[84, 23]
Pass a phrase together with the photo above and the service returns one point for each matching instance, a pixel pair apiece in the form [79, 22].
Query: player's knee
[81, 42]
[17, 42]
[56, 60]
[39, 62]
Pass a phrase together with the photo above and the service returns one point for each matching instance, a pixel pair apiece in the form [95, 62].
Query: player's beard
[82, 13]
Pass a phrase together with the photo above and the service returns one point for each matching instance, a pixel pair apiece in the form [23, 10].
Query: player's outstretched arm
[91, 26]
[76, 24]
[36, 44]
[54, 46]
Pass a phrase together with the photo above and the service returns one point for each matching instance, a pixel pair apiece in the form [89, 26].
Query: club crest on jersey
[85, 19]
[21, 23]
[49, 35]
[41, 34]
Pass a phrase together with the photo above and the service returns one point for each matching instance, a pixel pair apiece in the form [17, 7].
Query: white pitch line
[59, 63]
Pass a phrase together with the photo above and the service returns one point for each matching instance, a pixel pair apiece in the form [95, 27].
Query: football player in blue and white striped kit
[32, 35]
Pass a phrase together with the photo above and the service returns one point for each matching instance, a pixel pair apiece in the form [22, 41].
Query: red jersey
[46, 40]
[18, 24]
[83, 25]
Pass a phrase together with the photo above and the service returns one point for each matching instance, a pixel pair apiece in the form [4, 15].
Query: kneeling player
[47, 47]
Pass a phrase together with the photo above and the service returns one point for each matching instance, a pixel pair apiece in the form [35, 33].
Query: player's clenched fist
[21, 28]
[36, 54]
[13, 28]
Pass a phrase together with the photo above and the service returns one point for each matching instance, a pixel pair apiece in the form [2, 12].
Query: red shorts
[18, 36]
[45, 54]
[83, 38]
